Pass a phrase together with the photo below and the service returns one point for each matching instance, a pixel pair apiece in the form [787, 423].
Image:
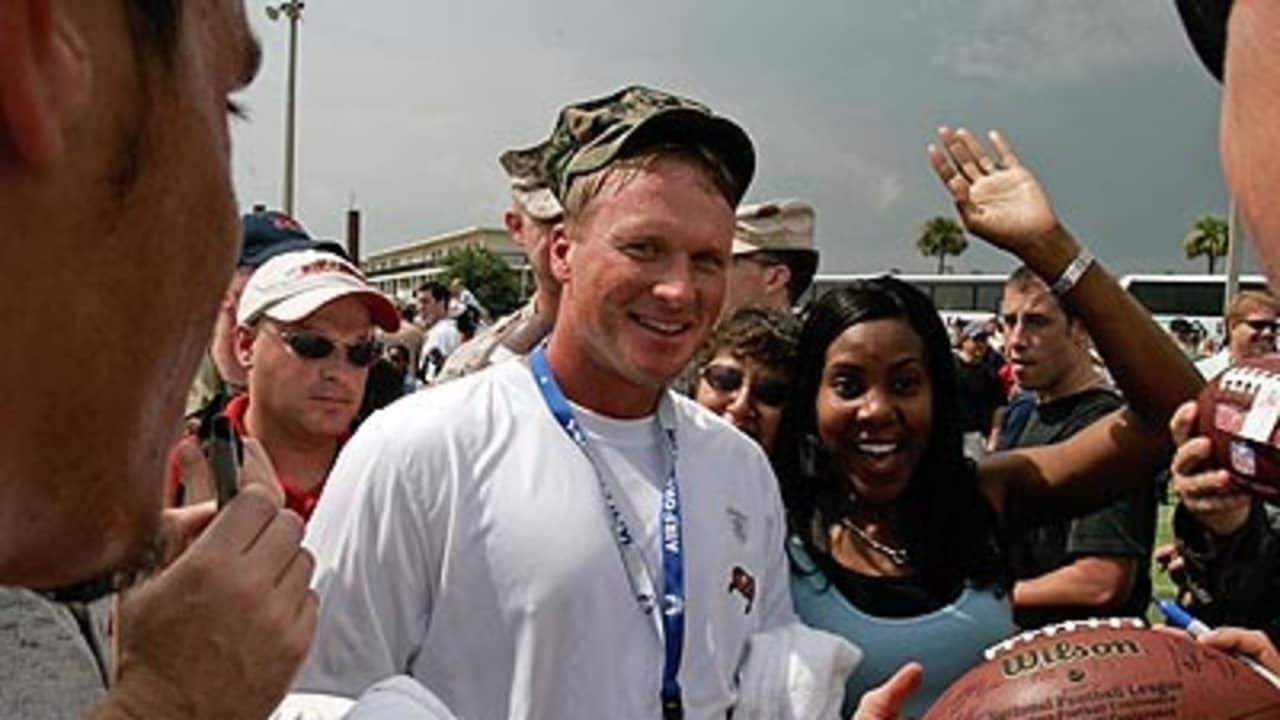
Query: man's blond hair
[1248, 301]
[585, 188]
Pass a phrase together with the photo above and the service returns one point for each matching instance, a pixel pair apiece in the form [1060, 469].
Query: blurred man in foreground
[1229, 540]
[115, 200]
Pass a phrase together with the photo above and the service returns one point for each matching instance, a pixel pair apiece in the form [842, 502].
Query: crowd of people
[627, 498]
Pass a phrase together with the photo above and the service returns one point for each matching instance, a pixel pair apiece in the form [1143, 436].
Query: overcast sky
[404, 106]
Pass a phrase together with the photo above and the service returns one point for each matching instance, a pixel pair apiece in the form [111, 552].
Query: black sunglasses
[727, 379]
[1261, 325]
[311, 345]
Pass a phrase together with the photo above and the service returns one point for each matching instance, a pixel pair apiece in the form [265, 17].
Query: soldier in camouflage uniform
[533, 213]
[773, 255]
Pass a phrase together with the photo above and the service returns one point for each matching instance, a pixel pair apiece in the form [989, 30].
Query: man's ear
[1079, 334]
[244, 337]
[45, 80]
[561, 252]
[776, 278]
[513, 222]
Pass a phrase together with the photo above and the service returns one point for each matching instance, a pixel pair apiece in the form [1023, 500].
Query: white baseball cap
[292, 285]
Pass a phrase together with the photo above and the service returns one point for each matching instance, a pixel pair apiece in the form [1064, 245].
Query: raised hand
[221, 631]
[1207, 493]
[998, 198]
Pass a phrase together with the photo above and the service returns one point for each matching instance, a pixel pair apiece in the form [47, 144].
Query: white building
[398, 271]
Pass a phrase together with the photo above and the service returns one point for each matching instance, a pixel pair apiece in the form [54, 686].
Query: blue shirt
[947, 642]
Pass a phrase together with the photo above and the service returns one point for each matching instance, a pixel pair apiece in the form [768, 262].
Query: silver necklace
[898, 556]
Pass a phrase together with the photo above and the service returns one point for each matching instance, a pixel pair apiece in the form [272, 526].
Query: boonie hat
[526, 169]
[778, 225]
[783, 228]
[291, 286]
[591, 134]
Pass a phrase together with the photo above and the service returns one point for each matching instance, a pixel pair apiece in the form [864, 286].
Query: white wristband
[1073, 272]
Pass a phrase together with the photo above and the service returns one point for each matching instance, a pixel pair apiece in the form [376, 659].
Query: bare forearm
[1154, 375]
[1131, 445]
[1098, 582]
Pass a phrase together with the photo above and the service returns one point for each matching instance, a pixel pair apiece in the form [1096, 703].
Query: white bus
[1196, 298]
[967, 297]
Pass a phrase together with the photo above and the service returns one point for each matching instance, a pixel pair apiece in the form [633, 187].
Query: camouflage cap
[530, 185]
[591, 134]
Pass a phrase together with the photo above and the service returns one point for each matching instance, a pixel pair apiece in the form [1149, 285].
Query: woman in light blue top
[896, 534]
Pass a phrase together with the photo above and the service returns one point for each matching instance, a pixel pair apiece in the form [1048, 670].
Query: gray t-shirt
[52, 655]
[399, 698]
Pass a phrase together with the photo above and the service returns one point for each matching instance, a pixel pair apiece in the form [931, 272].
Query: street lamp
[291, 9]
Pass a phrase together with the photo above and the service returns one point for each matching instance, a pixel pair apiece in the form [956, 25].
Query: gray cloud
[887, 192]
[407, 106]
[1035, 45]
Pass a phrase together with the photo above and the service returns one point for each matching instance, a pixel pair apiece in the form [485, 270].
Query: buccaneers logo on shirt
[741, 582]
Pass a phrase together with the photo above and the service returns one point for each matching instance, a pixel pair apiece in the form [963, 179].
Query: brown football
[1106, 670]
[1238, 412]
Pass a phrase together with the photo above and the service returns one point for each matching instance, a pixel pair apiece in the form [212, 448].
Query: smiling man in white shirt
[566, 537]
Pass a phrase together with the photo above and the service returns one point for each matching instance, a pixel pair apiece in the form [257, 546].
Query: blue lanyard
[642, 585]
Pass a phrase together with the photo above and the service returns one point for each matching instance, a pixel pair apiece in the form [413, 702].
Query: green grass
[1161, 586]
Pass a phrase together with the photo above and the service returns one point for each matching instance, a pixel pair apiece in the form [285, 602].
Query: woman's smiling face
[875, 407]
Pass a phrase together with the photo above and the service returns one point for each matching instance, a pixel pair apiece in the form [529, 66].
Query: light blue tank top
[947, 642]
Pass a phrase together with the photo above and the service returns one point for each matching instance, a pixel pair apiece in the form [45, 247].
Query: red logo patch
[744, 584]
[328, 265]
[284, 222]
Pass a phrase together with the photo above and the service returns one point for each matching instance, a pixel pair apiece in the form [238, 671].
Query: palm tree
[1208, 237]
[941, 236]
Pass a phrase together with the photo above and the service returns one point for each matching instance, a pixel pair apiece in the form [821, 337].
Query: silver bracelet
[1073, 272]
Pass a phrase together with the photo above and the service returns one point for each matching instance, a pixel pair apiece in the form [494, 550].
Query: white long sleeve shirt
[461, 540]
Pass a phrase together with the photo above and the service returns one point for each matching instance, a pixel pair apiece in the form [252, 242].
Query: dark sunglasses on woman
[728, 379]
[311, 345]
[1261, 325]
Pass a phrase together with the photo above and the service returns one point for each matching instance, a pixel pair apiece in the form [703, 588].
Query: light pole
[291, 9]
[1234, 238]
